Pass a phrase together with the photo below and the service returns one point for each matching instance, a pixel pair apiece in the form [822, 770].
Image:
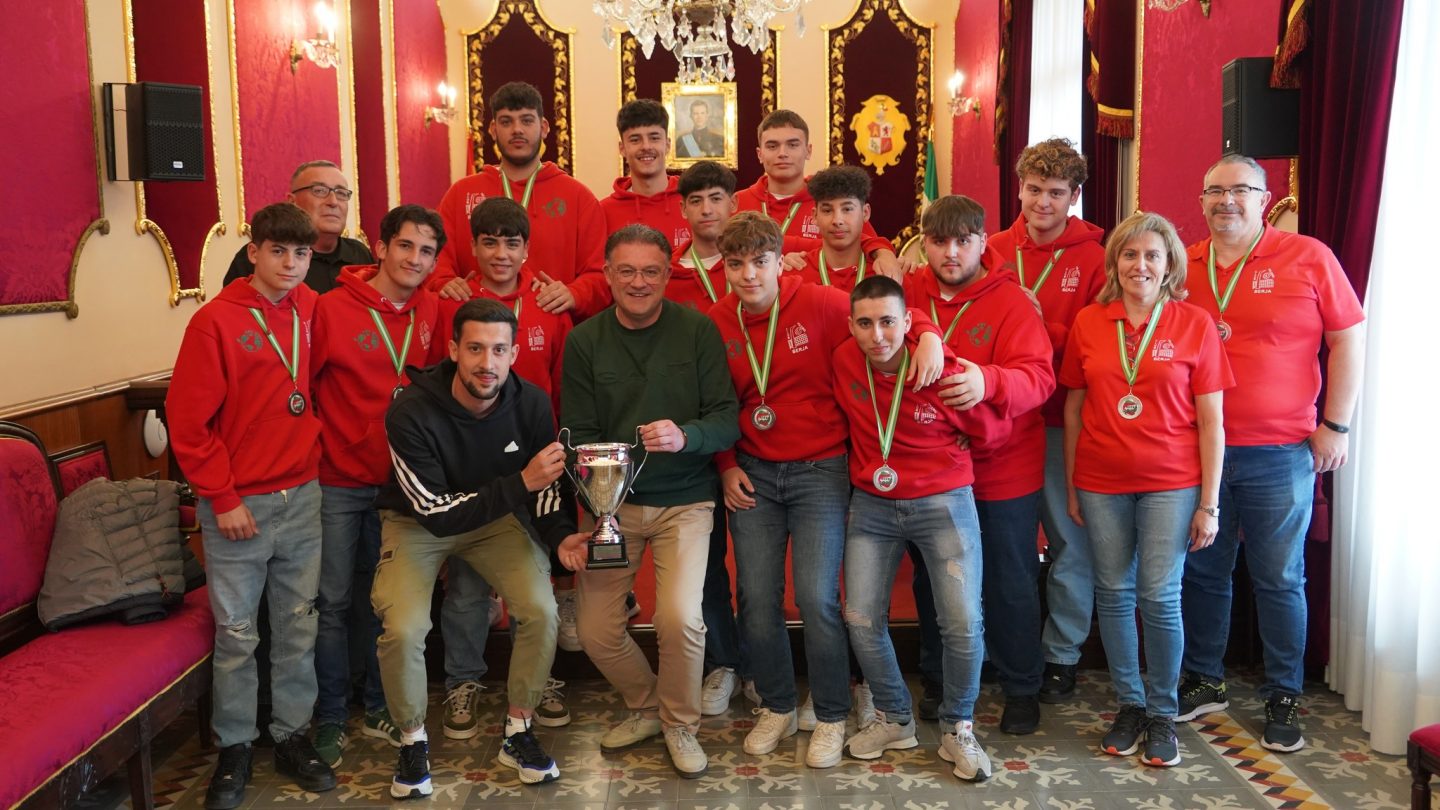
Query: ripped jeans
[946, 529]
[283, 562]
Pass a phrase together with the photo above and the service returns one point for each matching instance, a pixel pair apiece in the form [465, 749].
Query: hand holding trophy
[602, 475]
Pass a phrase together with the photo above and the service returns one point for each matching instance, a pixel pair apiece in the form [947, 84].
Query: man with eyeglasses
[652, 371]
[320, 189]
[1274, 297]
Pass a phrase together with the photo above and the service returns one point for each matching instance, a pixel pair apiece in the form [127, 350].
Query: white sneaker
[716, 691]
[971, 762]
[862, 703]
[770, 728]
[805, 715]
[685, 753]
[633, 730]
[826, 743]
[567, 638]
[751, 693]
[878, 737]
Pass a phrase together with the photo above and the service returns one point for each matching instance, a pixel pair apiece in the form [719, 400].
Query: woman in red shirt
[1143, 448]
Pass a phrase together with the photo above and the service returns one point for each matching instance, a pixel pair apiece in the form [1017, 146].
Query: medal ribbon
[1044, 274]
[1132, 370]
[705, 278]
[762, 373]
[397, 359]
[529, 187]
[1224, 301]
[293, 364]
[825, 275]
[519, 301]
[887, 431]
[785, 226]
[949, 330]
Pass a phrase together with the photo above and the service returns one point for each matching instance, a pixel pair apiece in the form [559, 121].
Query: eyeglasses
[1239, 192]
[650, 274]
[321, 191]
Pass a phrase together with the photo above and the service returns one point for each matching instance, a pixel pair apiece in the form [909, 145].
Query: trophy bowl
[603, 474]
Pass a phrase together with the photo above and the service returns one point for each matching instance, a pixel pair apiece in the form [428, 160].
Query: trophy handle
[563, 436]
[630, 485]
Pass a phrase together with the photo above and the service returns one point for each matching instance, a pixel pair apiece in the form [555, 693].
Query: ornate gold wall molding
[563, 79]
[244, 229]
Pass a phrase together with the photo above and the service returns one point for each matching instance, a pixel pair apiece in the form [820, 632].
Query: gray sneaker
[630, 732]
[961, 748]
[551, 713]
[685, 753]
[462, 710]
[881, 735]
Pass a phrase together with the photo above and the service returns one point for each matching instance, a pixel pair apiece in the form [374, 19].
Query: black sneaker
[412, 773]
[632, 606]
[929, 707]
[1123, 738]
[232, 774]
[522, 752]
[1200, 695]
[1058, 684]
[1161, 748]
[296, 758]
[1022, 714]
[1282, 724]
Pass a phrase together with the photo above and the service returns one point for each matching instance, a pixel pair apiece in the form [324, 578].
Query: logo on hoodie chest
[796, 338]
[472, 199]
[925, 413]
[1163, 350]
[367, 340]
[980, 333]
[1264, 282]
[251, 341]
[535, 338]
[554, 209]
[809, 228]
[1070, 282]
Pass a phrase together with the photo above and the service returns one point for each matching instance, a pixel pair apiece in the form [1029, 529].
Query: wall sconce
[445, 113]
[321, 49]
[958, 103]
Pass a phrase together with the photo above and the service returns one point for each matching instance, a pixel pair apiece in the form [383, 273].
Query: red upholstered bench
[77, 704]
[1423, 754]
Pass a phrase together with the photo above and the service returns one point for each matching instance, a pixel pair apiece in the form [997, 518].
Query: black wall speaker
[1257, 120]
[154, 131]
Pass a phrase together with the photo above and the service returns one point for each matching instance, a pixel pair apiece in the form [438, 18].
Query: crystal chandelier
[695, 30]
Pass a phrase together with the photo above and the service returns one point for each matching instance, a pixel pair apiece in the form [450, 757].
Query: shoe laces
[715, 681]
[1130, 720]
[232, 760]
[1193, 686]
[770, 721]
[631, 724]
[1160, 727]
[298, 747]
[1283, 709]
[681, 740]
[528, 748]
[965, 736]
[827, 734]
[459, 698]
[415, 756]
[554, 690]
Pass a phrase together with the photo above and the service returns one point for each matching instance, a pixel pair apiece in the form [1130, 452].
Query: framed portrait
[702, 123]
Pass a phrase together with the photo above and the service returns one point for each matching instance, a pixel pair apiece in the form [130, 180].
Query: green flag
[932, 180]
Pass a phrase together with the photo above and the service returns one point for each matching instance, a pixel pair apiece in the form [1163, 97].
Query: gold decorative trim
[1139, 96]
[1291, 203]
[559, 40]
[199, 293]
[837, 38]
[341, 92]
[244, 229]
[394, 97]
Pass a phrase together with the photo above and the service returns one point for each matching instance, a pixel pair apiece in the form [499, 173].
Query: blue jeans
[1070, 586]
[723, 645]
[1265, 494]
[1139, 541]
[350, 547]
[798, 504]
[947, 532]
[283, 562]
[932, 649]
[465, 623]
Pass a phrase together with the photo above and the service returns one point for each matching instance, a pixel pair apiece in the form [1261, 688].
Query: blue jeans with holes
[799, 505]
[465, 623]
[1139, 541]
[1266, 494]
[350, 547]
[947, 531]
[283, 562]
[1070, 585]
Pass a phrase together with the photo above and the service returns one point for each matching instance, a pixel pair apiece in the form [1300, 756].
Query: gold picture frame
[688, 145]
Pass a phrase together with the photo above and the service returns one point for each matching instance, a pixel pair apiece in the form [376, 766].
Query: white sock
[515, 725]
[411, 737]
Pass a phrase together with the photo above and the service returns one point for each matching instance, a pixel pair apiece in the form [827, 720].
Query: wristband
[1212, 511]
[1335, 426]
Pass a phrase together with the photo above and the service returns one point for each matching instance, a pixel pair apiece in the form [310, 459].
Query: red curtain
[1102, 152]
[1013, 133]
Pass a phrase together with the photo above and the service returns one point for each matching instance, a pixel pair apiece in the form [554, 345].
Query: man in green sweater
[650, 364]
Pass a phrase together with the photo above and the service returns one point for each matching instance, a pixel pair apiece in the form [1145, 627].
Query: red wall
[1180, 105]
[48, 162]
[424, 153]
[973, 170]
[371, 174]
[285, 118]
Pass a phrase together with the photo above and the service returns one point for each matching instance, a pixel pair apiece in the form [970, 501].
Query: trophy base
[607, 555]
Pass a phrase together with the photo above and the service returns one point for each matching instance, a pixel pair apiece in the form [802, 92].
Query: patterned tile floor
[1223, 767]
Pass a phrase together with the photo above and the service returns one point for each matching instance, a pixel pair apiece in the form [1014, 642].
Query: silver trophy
[602, 475]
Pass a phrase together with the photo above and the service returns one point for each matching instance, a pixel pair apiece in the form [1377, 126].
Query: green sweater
[616, 379]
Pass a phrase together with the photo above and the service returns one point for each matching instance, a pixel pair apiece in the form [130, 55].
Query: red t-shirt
[660, 211]
[1160, 449]
[1292, 292]
[567, 232]
[1074, 281]
[925, 452]
[541, 337]
[1001, 332]
[685, 286]
[802, 226]
[354, 376]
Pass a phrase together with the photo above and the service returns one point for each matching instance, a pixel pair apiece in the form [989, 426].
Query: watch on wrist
[1335, 426]
[1212, 511]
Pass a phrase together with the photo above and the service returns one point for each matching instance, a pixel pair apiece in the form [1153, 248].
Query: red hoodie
[660, 211]
[354, 377]
[1001, 332]
[926, 451]
[567, 232]
[684, 286]
[1073, 283]
[843, 279]
[228, 408]
[541, 338]
[803, 225]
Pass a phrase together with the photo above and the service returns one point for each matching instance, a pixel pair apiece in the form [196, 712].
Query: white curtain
[1057, 54]
[1385, 591]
